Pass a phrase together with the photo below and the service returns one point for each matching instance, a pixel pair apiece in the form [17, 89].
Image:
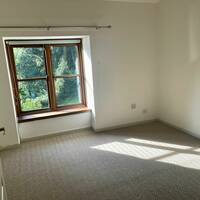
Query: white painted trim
[88, 128]
[30, 42]
[124, 125]
[179, 128]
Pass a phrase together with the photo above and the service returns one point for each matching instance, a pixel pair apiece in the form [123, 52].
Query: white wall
[179, 63]
[54, 125]
[7, 114]
[123, 58]
[125, 65]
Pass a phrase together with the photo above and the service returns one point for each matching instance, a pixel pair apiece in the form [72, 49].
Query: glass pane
[29, 62]
[65, 60]
[68, 91]
[33, 95]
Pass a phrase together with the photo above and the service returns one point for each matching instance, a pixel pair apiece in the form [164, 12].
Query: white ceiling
[136, 1]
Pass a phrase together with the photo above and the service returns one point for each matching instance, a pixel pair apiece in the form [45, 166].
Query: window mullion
[33, 79]
[51, 86]
[80, 60]
[67, 76]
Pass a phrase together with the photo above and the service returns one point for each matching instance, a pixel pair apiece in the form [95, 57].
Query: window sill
[40, 116]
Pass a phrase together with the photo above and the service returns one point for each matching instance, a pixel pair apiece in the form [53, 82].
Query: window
[46, 75]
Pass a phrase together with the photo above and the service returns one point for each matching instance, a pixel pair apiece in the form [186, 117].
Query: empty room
[100, 100]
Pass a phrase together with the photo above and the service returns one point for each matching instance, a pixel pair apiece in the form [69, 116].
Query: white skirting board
[180, 129]
[124, 125]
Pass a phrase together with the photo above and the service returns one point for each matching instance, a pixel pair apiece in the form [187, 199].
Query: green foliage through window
[32, 76]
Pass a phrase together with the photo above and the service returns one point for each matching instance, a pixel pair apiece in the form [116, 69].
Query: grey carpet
[146, 162]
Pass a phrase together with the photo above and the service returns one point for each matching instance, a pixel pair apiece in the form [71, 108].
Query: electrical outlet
[2, 130]
[133, 106]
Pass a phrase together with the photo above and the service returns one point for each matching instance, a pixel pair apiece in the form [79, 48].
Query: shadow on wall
[180, 64]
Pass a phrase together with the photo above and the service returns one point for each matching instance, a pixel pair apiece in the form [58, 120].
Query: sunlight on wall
[184, 156]
[88, 76]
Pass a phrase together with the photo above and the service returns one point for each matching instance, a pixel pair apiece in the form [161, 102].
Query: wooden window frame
[49, 79]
